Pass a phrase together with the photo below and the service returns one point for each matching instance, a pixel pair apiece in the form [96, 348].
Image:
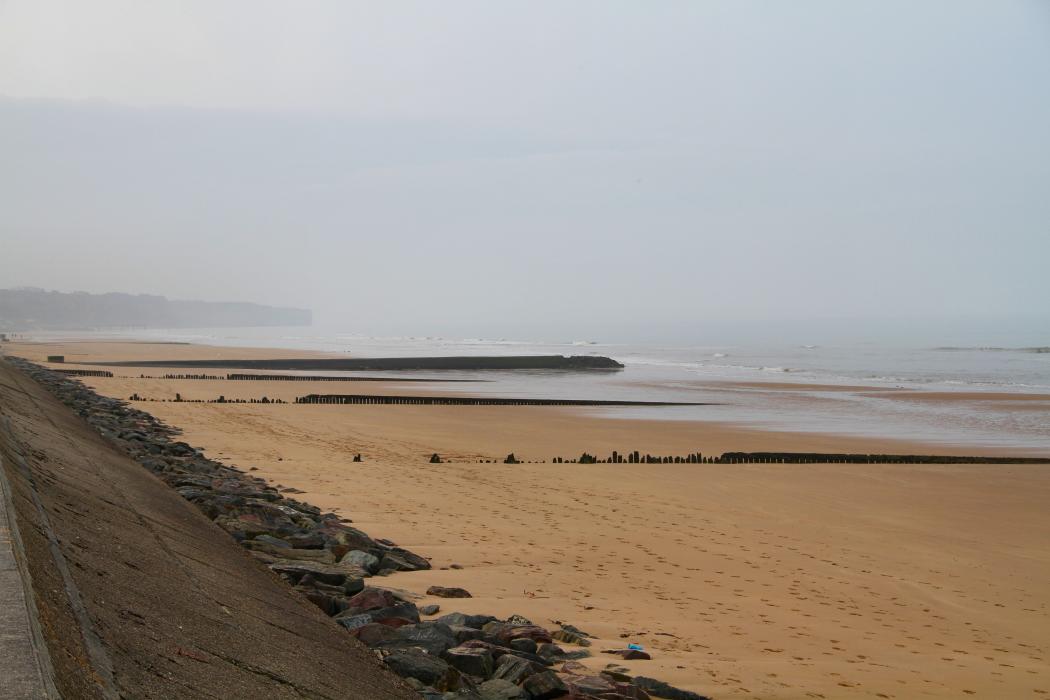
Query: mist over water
[802, 192]
[733, 376]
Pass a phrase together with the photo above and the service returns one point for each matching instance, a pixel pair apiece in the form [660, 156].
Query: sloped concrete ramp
[24, 661]
[137, 594]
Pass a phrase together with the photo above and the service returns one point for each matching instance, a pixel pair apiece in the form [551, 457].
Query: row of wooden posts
[222, 399]
[468, 401]
[773, 458]
[82, 372]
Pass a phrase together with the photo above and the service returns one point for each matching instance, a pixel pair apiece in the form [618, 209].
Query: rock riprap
[331, 563]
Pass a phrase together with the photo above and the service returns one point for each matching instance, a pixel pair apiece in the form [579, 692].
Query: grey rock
[353, 586]
[432, 609]
[564, 635]
[499, 689]
[362, 560]
[463, 620]
[326, 573]
[514, 669]
[550, 651]
[353, 622]
[448, 592]
[464, 634]
[659, 689]
[462, 694]
[430, 670]
[523, 644]
[470, 660]
[403, 560]
[545, 685]
[434, 637]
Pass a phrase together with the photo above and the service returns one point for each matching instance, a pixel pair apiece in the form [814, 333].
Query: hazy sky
[474, 167]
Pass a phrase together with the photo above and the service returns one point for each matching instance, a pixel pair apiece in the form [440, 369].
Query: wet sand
[744, 581]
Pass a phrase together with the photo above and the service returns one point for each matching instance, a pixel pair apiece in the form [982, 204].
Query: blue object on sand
[636, 647]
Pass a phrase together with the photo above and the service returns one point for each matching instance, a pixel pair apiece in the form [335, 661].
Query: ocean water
[733, 377]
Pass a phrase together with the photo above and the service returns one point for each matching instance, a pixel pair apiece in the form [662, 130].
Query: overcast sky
[472, 167]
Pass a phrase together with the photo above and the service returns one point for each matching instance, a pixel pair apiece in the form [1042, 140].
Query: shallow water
[714, 373]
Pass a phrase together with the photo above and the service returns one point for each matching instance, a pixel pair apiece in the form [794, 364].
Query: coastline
[716, 566]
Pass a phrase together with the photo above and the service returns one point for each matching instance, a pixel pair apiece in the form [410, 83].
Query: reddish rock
[505, 633]
[373, 633]
[372, 599]
[394, 622]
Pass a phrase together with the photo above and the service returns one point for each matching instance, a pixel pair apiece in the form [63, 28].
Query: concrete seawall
[519, 362]
[140, 595]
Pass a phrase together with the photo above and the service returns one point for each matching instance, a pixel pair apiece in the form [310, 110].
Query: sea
[851, 388]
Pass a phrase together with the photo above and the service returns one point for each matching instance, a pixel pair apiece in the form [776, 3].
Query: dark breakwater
[547, 362]
[471, 401]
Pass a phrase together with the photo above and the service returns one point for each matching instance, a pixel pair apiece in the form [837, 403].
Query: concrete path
[22, 672]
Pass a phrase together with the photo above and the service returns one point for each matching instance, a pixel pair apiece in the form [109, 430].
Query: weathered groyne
[333, 378]
[637, 457]
[837, 458]
[510, 362]
[83, 372]
[280, 377]
[177, 619]
[470, 401]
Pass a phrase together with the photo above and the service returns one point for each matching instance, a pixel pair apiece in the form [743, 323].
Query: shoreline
[731, 561]
[708, 430]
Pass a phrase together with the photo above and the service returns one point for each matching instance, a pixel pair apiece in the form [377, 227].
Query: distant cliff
[38, 309]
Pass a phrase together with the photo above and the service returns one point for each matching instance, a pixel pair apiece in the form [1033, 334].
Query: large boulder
[545, 685]
[325, 573]
[398, 559]
[347, 537]
[463, 620]
[427, 669]
[377, 605]
[448, 592]
[463, 634]
[629, 654]
[433, 637]
[499, 689]
[659, 689]
[503, 632]
[372, 599]
[590, 685]
[471, 660]
[362, 560]
[498, 652]
[568, 637]
[523, 644]
[373, 633]
[515, 669]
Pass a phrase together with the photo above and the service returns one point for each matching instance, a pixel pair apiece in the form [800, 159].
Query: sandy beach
[786, 581]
